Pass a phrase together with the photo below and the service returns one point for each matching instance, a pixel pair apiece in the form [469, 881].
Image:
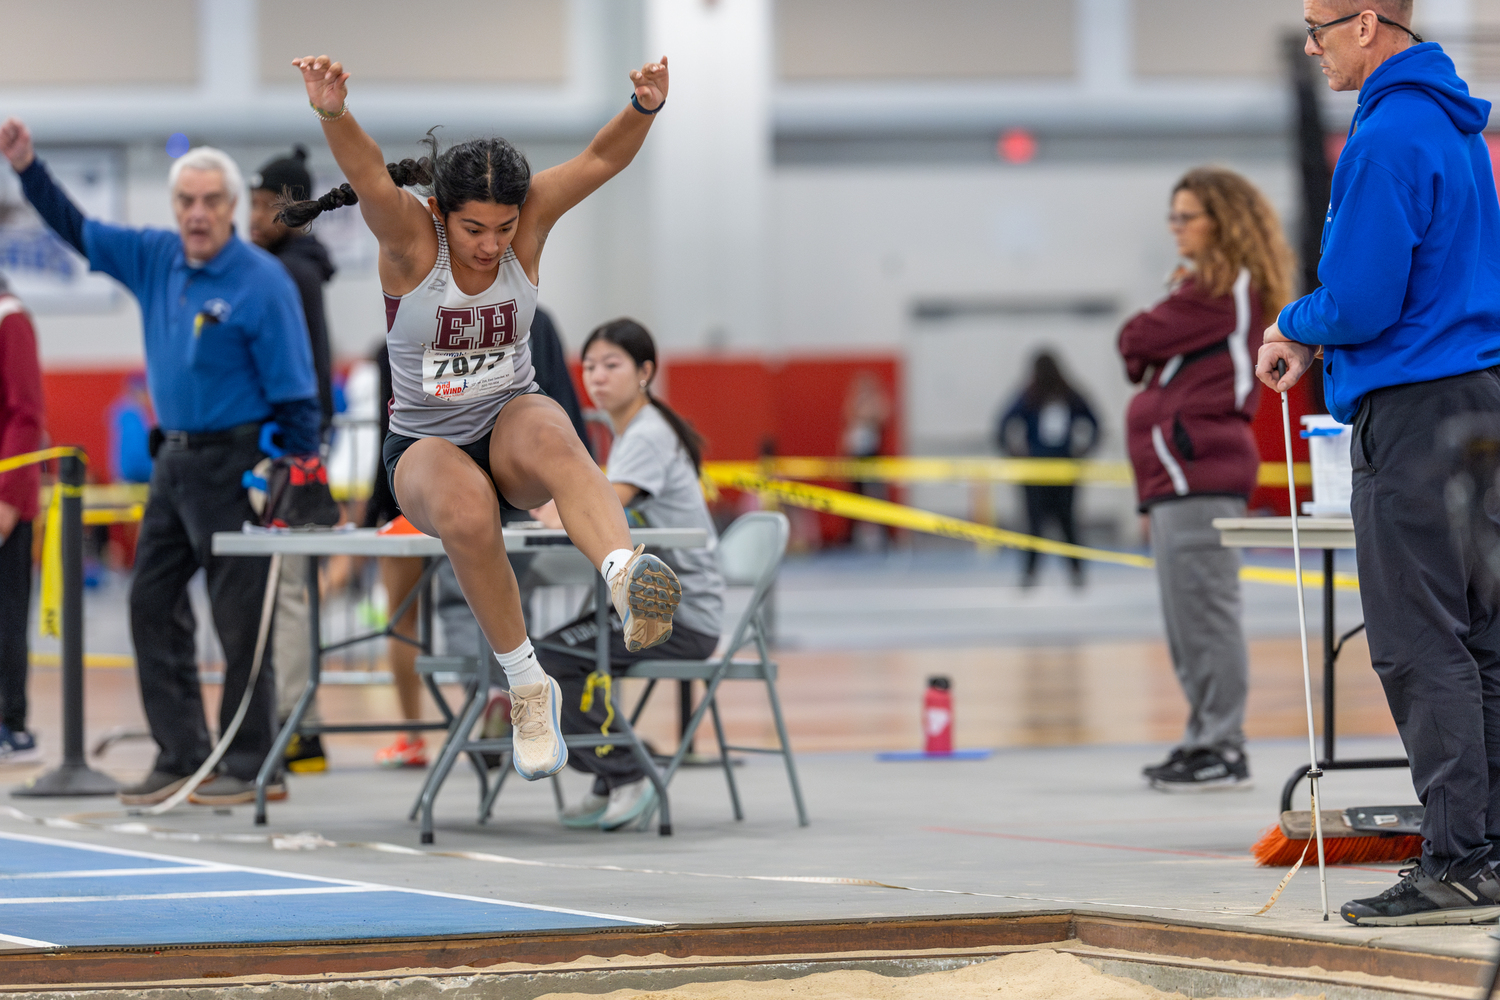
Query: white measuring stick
[1313, 773]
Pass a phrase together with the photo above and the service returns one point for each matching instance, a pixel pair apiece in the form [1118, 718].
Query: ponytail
[692, 441]
[407, 173]
[635, 340]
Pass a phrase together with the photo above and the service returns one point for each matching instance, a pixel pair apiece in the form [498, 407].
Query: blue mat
[59, 894]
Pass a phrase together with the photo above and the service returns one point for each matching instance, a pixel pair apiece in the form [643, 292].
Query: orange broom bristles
[1276, 850]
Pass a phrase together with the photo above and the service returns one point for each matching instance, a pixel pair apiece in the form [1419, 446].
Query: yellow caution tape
[51, 604]
[1025, 471]
[863, 508]
[46, 454]
[114, 515]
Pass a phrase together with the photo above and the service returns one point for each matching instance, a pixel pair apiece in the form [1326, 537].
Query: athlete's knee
[465, 514]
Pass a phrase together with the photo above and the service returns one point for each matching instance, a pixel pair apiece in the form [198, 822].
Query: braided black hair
[485, 170]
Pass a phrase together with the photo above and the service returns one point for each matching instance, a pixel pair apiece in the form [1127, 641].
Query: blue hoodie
[1411, 246]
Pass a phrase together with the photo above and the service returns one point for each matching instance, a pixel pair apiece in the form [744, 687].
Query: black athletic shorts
[396, 444]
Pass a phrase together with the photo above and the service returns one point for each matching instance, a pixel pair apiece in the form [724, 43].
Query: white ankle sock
[613, 561]
[521, 666]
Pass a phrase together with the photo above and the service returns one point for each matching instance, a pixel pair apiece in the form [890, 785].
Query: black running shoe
[1151, 770]
[304, 754]
[1421, 899]
[1205, 771]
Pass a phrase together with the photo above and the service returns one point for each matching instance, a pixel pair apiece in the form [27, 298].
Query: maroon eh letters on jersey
[476, 328]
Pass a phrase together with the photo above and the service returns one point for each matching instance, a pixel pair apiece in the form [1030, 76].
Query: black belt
[208, 439]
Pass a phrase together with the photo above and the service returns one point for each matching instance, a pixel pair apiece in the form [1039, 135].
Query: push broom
[1352, 836]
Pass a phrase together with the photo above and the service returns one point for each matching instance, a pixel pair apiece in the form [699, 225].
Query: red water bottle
[937, 716]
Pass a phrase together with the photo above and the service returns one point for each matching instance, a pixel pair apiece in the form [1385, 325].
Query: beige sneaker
[645, 593]
[536, 715]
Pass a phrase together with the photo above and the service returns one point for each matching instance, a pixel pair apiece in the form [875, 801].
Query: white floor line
[27, 942]
[222, 894]
[335, 885]
[117, 872]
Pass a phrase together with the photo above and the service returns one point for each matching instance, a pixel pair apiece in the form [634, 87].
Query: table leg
[273, 761]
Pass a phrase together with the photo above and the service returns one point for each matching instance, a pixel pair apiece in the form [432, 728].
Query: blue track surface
[59, 894]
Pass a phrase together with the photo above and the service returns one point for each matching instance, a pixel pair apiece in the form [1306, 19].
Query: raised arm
[559, 188]
[398, 220]
[50, 201]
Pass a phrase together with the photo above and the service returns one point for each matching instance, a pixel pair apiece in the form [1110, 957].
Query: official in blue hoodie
[1408, 320]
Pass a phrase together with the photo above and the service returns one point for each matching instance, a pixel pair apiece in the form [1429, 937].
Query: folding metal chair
[750, 553]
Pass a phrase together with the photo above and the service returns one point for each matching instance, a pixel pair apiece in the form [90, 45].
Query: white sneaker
[645, 593]
[535, 714]
[632, 803]
[585, 813]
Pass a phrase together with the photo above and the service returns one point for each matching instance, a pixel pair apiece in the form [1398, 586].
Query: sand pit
[1032, 975]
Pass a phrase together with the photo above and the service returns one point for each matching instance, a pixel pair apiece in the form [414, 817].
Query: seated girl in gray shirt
[654, 465]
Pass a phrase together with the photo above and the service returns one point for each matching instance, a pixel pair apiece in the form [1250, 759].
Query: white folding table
[1329, 534]
[369, 542]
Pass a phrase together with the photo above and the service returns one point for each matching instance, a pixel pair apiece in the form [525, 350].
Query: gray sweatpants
[291, 640]
[1200, 600]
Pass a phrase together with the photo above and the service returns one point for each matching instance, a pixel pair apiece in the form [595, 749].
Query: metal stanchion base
[69, 779]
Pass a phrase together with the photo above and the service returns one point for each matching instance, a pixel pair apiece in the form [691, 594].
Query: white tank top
[456, 359]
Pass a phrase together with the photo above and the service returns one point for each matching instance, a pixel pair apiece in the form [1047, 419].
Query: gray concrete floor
[1028, 829]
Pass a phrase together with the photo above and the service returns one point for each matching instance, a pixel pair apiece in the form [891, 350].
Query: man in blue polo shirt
[1408, 319]
[226, 351]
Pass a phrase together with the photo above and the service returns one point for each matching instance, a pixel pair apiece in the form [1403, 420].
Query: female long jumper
[470, 432]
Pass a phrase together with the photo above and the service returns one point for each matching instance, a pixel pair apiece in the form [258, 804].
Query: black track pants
[194, 493]
[1434, 643]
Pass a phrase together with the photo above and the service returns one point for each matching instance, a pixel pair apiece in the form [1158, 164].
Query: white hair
[209, 158]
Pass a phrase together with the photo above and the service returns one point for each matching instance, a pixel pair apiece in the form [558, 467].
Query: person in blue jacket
[1408, 322]
[226, 351]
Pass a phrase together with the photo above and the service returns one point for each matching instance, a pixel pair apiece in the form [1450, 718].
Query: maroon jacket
[1189, 428]
[20, 405]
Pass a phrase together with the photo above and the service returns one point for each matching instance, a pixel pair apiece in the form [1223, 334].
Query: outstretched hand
[15, 144]
[651, 84]
[326, 82]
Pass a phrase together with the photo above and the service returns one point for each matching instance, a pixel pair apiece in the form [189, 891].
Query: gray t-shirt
[649, 457]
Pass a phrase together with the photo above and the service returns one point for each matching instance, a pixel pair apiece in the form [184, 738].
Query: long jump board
[59, 894]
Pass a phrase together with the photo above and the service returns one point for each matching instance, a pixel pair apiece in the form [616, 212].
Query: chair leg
[487, 805]
[640, 705]
[786, 751]
[734, 792]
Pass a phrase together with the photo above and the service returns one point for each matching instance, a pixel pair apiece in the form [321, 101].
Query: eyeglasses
[1314, 29]
[1178, 219]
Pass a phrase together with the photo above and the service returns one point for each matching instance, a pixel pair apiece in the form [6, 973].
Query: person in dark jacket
[1408, 320]
[304, 257]
[1049, 419]
[1195, 457]
[307, 261]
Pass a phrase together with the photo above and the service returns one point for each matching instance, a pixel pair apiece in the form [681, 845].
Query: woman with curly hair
[1194, 455]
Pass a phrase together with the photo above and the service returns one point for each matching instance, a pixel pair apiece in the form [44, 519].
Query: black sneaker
[1421, 899]
[1152, 770]
[304, 754]
[1205, 771]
